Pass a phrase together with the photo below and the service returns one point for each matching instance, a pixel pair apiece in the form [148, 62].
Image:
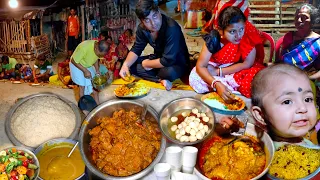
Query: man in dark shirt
[170, 60]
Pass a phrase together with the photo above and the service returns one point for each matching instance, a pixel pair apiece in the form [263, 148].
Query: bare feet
[167, 84]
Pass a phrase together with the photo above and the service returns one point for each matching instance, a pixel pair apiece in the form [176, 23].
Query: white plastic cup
[189, 158]
[162, 171]
[173, 157]
[188, 170]
[183, 176]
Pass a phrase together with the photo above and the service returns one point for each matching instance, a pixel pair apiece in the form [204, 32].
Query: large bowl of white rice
[38, 118]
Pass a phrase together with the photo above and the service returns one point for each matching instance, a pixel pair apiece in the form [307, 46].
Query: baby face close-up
[289, 106]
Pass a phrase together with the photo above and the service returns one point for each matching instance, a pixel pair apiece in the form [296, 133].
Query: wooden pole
[41, 25]
[28, 34]
[83, 30]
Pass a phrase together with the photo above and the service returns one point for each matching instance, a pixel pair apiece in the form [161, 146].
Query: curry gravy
[55, 164]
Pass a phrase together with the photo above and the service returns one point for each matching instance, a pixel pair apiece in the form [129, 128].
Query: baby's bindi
[299, 89]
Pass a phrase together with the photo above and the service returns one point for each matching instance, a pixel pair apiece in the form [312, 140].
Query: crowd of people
[231, 60]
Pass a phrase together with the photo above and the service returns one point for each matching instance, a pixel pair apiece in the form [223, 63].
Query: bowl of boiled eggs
[186, 121]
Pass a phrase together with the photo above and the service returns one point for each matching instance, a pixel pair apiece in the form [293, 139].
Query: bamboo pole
[21, 32]
[28, 35]
[41, 25]
[83, 31]
[272, 5]
[22, 35]
[7, 36]
[12, 36]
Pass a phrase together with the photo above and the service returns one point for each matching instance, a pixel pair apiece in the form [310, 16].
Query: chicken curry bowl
[121, 147]
[243, 159]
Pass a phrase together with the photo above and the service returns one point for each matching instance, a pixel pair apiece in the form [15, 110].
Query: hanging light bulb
[13, 3]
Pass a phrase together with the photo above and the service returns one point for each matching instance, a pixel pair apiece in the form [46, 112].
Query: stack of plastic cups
[183, 176]
[189, 159]
[162, 171]
[173, 157]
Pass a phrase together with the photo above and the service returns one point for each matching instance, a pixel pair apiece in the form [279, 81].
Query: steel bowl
[106, 109]
[314, 175]
[36, 161]
[54, 143]
[184, 104]
[98, 78]
[8, 129]
[268, 147]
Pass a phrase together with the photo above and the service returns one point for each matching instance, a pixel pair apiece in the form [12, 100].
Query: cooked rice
[41, 119]
[294, 162]
[236, 105]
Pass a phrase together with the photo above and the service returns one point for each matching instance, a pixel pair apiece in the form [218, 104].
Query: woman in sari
[302, 47]
[230, 58]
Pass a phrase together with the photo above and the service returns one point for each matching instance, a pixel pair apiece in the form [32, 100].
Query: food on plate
[189, 126]
[121, 148]
[55, 164]
[138, 89]
[100, 80]
[42, 118]
[129, 78]
[214, 100]
[241, 160]
[294, 162]
[16, 82]
[17, 165]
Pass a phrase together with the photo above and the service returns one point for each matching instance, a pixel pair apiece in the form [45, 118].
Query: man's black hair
[144, 7]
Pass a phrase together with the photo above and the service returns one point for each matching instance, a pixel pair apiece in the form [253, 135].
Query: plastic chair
[278, 48]
[268, 37]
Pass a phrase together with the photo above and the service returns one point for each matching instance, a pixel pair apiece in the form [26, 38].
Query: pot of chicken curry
[247, 157]
[114, 145]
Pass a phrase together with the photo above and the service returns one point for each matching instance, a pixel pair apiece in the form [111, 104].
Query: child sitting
[282, 100]
[42, 70]
[62, 78]
[126, 37]
[8, 68]
[25, 72]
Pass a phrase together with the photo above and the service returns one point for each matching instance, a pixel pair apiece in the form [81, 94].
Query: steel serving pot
[56, 143]
[107, 109]
[8, 129]
[315, 175]
[34, 157]
[268, 146]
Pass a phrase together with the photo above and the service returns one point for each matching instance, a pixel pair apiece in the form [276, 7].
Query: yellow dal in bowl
[54, 163]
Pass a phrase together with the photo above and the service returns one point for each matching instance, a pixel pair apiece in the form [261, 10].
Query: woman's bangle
[213, 84]
[220, 71]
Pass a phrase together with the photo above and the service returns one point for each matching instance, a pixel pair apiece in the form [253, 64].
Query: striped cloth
[222, 4]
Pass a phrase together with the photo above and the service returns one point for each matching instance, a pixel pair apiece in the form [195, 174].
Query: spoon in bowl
[74, 147]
